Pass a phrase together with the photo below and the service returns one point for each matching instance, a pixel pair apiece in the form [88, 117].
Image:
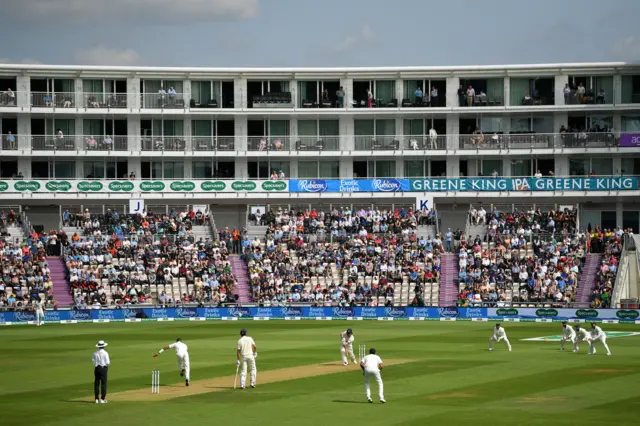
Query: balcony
[424, 143]
[315, 143]
[105, 100]
[213, 143]
[496, 141]
[9, 142]
[268, 143]
[164, 101]
[53, 100]
[79, 143]
[8, 99]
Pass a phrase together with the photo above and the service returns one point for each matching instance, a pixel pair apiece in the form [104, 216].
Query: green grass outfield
[452, 378]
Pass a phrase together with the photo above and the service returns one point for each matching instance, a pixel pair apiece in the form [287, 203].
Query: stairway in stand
[587, 281]
[448, 279]
[61, 288]
[239, 270]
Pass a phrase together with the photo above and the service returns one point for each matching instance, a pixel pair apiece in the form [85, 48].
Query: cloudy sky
[273, 33]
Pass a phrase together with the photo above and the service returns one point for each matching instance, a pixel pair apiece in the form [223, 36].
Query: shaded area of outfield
[452, 378]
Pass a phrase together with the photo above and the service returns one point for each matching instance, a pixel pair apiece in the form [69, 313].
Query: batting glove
[238, 363]
[255, 355]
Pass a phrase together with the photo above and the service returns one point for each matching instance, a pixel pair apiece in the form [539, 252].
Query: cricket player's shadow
[332, 364]
[340, 401]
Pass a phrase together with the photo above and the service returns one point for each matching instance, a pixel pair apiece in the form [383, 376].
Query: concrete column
[507, 90]
[240, 132]
[558, 88]
[293, 168]
[188, 168]
[242, 168]
[293, 88]
[453, 130]
[240, 92]
[453, 166]
[293, 133]
[347, 129]
[453, 83]
[399, 167]
[472, 167]
[79, 169]
[617, 122]
[133, 132]
[23, 93]
[347, 84]
[399, 91]
[561, 164]
[619, 210]
[24, 166]
[400, 130]
[24, 134]
[617, 165]
[79, 93]
[346, 168]
[79, 132]
[186, 133]
[506, 167]
[617, 92]
[133, 94]
[135, 166]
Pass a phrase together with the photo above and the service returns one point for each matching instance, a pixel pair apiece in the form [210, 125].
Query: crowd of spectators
[342, 257]
[609, 244]
[125, 259]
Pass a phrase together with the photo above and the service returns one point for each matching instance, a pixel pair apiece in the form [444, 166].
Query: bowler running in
[568, 334]
[346, 346]
[371, 365]
[582, 335]
[182, 354]
[498, 335]
[246, 354]
[597, 335]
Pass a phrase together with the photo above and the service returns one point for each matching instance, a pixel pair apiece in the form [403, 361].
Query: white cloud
[356, 40]
[100, 55]
[627, 49]
[101, 12]
[24, 61]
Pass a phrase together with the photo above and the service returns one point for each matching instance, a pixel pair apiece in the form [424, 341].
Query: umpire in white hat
[101, 363]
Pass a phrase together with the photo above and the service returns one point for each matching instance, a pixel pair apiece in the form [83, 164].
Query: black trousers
[100, 382]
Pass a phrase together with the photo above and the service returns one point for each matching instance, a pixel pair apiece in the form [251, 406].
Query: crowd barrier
[327, 313]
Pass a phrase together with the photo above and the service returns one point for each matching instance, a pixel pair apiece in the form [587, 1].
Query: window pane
[307, 169]
[386, 127]
[520, 167]
[156, 170]
[329, 127]
[491, 124]
[385, 168]
[202, 169]
[65, 169]
[630, 166]
[94, 169]
[329, 169]
[308, 128]
[631, 124]
[631, 219]
[602, 166]
[363, 127]
[385, 90]
[414, 168]
[279, 166]
[520, 125]
[413, 127]
[489, 166]
[578, 166]
[543, 124]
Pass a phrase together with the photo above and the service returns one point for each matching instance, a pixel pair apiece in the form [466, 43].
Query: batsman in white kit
[568, 334]
[346, 346]
[582, 335]
[246, 354]
[597, 335]
[498, 335]
[371, 365]
[182, 354]
[39, 308]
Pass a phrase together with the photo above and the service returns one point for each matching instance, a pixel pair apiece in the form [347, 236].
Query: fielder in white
[182, 354]
[39, 308]
[346, 346]
[371, 365]
[568, 334]
[498, 335]
[582, 335]
[597, 335]
[246, 354]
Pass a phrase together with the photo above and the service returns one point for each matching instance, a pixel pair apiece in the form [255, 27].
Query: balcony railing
[268, 143]
[424, 142]
[9, 142]
[81, 143]
[317, 143]
[105, 100]
[163, 143]
[377, 143]
[164, 101]
[213, 143]
[8, 99]
[53, 100]
[486, 141]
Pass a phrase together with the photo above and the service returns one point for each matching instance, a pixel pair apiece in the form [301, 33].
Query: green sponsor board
[217, 185]
[586, 313]
[274, 185]
[243, 186]
[89, 186]
[3, 186]
[182, 186]
[55, 186]
[627, 314]
[546, 313]
[26, 185]
[557, 338]
[152, 186]
[123, 186]
[507, 312]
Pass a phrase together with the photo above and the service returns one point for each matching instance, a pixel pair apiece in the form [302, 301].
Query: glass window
[279, 127]
[65, 169]
[631, 219]
[602, 166]
[491, 124]
[94, 169]
[308, 128]
[488, 166]
[631, 124]
[520, 125]
[201, 128]
[156, 170]
[329, 169]
[630, 89]
[307, 169]
[40, 169]
[601, 122]
[385, 90]
[173, 170]
[363, 127]
[329, 127]
[608, 220]
[385, 168]
[578, 166]
[117, 169]
[543, 124]
[414, 168]
[202, 170]
[413, 127]
[520, 168]
[386, 127]
[630, 166]
[279, 166]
